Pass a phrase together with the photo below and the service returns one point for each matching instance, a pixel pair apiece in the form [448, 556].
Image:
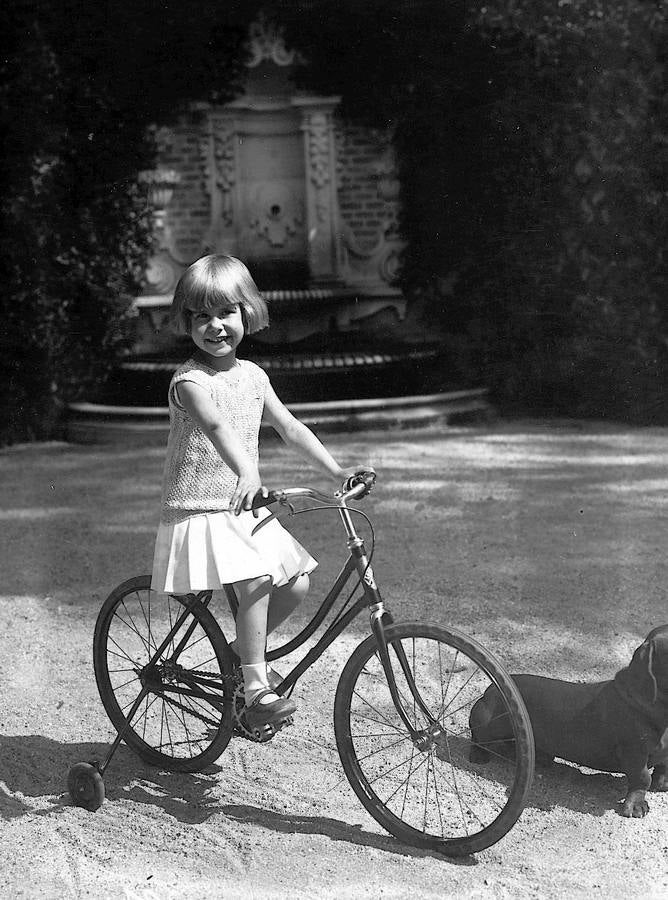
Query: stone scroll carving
[266, 42]
[376, 265]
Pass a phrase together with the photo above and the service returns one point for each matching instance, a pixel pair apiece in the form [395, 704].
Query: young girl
[206, 534]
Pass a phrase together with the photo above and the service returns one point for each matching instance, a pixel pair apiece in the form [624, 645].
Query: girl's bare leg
[260, 607]
[253, 596]
[285, 599]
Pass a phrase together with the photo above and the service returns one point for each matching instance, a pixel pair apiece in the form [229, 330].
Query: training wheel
[86, 786]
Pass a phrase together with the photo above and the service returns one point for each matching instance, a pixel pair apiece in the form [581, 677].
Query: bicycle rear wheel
[433, 789]
[184, 721]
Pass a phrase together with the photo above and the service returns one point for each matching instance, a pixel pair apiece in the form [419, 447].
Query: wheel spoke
[449, 787]
[184, 722]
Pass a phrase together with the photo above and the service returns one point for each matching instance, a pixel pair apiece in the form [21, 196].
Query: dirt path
[547, 542]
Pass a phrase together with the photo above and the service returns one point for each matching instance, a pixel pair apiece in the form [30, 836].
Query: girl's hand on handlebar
[357, 475]
[248, 487]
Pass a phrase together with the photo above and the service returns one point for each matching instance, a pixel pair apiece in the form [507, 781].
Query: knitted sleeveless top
[196, 479]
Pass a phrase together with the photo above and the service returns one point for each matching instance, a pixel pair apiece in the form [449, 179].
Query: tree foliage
[532, 140]
[587, 209]
[81, 84]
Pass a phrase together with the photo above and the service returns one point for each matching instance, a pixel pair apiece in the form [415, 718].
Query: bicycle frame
[203, 686]
[359, 562]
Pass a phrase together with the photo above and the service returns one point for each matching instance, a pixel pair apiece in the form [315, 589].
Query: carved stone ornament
[161, 274]
[266, 42]
[378, 264]
[318, 145]
[276, 216]
[223, 153]
[317, 128]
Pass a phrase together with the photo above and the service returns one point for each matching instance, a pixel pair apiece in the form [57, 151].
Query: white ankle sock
[255, 680]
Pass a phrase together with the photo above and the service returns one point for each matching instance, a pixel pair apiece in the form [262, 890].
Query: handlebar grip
[367, 479]
[259, 501]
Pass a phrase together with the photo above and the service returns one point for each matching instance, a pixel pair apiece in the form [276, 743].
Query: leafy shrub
[532, 141]
[81, 84]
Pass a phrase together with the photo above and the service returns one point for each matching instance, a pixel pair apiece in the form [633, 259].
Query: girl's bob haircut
[217, 280]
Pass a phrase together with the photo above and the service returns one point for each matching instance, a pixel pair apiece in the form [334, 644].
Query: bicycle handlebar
[354, 488]
[358, 485]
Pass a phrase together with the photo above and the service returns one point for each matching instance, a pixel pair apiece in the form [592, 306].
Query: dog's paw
[634, 807]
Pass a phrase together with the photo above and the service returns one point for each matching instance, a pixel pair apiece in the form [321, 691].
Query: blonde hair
[212, 281]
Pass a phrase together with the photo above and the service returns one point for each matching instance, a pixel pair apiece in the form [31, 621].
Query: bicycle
[166, 678]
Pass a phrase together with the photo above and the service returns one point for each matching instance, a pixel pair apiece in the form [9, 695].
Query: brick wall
[189, 210]
[360, 154]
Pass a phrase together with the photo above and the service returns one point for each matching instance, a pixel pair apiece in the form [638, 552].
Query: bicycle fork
[379, 617]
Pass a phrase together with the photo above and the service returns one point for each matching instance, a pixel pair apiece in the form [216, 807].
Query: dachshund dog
[614, 726]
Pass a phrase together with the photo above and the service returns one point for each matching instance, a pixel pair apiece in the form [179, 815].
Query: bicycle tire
[432, 796]
[171, 728]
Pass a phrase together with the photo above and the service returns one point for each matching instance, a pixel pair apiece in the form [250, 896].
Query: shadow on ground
[34, 768]
[33, 781]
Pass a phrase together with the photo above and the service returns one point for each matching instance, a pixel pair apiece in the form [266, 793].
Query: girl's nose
[216, 323]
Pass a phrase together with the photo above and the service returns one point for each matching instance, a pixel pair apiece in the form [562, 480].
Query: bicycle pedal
[265, 733]
[271, 728]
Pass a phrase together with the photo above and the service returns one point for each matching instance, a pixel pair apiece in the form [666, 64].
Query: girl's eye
[204, 316]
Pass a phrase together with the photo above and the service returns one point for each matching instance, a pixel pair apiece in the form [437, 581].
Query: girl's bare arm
[301, 438]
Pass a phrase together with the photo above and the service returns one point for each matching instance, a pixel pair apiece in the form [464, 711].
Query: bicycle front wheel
[184, 720]
[436, 786]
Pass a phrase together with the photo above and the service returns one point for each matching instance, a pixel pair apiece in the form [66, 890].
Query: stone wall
[190, 207]
[362, 156]
[366, 190]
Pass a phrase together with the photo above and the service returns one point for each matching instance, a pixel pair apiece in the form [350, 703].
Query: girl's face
[217, 333]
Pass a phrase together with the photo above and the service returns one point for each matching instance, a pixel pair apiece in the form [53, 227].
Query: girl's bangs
[213, 282]
[216, 291]
[209, 300]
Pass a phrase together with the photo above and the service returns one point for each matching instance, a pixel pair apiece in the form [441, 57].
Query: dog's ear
[657, 640]
[645, 679]
[640, 677]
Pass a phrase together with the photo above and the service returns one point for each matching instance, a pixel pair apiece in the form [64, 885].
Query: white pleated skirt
[207, 551]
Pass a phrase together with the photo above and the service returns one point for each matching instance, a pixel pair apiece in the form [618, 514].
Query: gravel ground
[546, 541]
